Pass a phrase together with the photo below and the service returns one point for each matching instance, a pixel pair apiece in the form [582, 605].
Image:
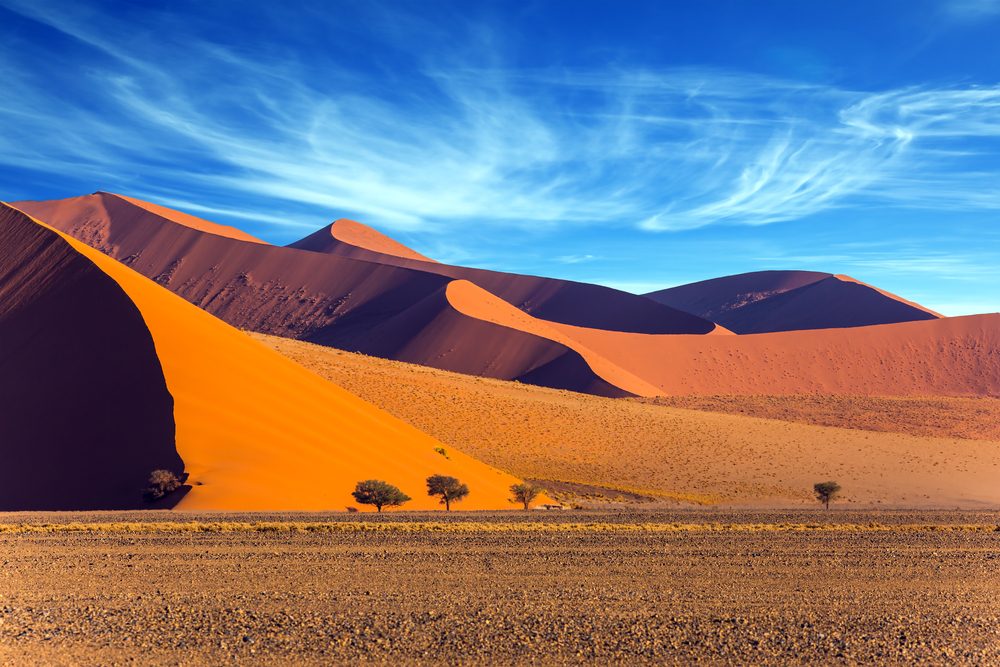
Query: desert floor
[737, 451]
[657, 587]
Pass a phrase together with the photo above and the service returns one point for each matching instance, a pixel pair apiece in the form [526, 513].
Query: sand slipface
[85, 414]
[257, 431]
[766, 301]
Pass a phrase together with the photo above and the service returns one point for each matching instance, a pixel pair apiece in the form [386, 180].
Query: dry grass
[661, 453]
[478, 527]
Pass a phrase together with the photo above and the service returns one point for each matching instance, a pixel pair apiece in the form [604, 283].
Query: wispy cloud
[575, 259]
[660, 150]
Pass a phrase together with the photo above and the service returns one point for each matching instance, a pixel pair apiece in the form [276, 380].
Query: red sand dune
[581, 304]
[374, 308]
[190, 220]
[940, 357]
[88, 345]
[766, 301]
[412, 310]
[958, 356]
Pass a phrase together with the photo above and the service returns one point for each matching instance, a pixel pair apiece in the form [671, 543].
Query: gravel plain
[816, 588]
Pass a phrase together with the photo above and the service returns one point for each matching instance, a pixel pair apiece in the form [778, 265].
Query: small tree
[826, 491]
[450, 489]
[378, 493]
[162, 482]
[524, 493]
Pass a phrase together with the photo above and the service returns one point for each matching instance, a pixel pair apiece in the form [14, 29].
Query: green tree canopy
[378, 493]
[450, 489]
[525, 493]
[826, 491]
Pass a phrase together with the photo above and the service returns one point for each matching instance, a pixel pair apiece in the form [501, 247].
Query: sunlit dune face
[362, 236]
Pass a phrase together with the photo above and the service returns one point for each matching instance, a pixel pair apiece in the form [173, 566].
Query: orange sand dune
[642, 452]
[189, 220]
[353, 239]
[255, 430]
[474, 301]
[950, 357]
[942, 357]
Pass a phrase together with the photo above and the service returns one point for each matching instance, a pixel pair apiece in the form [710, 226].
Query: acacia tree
[378, 493]
[524, 493]
[161, 482]
[450, 489]
[826, 491]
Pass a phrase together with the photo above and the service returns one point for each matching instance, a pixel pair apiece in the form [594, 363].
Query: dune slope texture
[252, 429]
[766, 301]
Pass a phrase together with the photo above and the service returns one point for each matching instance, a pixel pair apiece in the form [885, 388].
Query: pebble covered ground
[505, 597]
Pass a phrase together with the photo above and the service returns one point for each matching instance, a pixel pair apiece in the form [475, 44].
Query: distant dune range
[766, 301]
[107, 376]
[900, 452]
[375, 308]
[350, 287]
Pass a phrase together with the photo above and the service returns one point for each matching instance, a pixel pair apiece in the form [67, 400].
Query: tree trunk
[447, 504]
[379, 508]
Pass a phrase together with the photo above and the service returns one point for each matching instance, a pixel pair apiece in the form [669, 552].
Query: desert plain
[674, 587]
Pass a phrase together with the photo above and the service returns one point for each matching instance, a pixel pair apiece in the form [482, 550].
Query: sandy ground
[942, 417]
[491, 592]
[637, 451]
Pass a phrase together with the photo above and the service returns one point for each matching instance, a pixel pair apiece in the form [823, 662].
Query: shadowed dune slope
[955, 356]
[258, 432]
[85, 414]
[767, 301]
[580, 304]
[597, 445]
[436, 331]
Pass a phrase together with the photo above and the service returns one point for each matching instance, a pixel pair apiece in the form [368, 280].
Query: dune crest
[257, 431]
[350, 238]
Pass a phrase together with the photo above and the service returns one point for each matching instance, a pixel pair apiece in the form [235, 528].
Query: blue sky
[633, 144]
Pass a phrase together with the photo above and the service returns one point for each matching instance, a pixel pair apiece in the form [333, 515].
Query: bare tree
[450, 489]
[378, 493]
[826, 491]
[524, 493]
